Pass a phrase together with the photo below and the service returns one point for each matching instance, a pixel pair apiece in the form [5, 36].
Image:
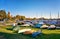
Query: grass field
[47, 34]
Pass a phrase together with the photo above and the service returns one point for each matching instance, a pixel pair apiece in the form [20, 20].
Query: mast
[41, 15]
[50, 15]
[58, 14]
[58, 18]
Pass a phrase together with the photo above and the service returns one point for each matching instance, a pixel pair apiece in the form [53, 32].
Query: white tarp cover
[13, 24]
[23, 30]
[52, 26]
[44, 26]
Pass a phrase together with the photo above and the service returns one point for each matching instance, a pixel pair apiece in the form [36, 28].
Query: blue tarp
[35, 34]
[38, 25]
[52, 22]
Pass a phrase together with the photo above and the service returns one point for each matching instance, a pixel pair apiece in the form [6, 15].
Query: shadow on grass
[22, 36]
[50, 36]
[9, 28]
[16, 36]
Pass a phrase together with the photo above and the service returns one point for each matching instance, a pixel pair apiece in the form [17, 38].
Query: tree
[28, 18]
[2, 14]
[34, 18]
[9, 15]
[18, 17]
[22, 18]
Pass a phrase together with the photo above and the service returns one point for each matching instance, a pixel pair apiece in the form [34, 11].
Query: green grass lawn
[9, 34]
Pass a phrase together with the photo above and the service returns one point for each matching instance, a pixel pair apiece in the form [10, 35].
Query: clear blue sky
[31, 8]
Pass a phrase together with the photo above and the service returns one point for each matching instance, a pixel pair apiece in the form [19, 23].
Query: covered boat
[38, 25]
[52, 27]
[44, 26]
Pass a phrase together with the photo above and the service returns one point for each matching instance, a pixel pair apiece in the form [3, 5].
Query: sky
[31, 8]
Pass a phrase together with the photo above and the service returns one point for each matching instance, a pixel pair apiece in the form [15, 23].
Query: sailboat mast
[58, 15]
[50, 15]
